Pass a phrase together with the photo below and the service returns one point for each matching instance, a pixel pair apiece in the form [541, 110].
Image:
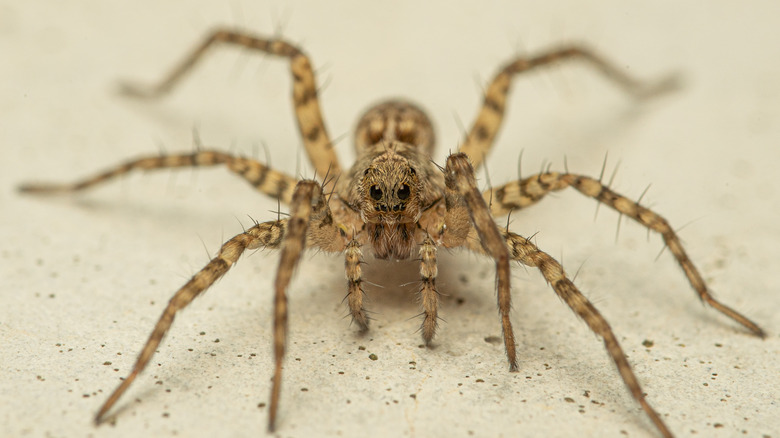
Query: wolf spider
[396, 203]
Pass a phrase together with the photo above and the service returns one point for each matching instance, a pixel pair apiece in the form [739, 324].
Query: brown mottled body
[395, 203]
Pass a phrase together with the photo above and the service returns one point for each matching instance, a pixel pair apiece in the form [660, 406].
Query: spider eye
[376, 193]
[404, 192]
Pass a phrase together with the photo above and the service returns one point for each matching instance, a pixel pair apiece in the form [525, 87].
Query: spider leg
[428, 293]
[353, 259]
[266, 180]
[429, 296]
[520, 194]
[484, 129]
[267, 234]
[308, 208]
[462, 197]
[310, 225]
[465, 206]
[522, 250]
[307, 108]
[306, 193]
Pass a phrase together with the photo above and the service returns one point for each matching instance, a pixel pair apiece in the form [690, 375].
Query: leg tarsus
[736, 316]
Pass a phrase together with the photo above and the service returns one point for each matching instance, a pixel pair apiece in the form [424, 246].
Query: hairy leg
[308, 207]
[264, 179]
[428, 293]
[267, 234]
[307, 108]
[308, 204]
[465, 208]
[480, 138]
[522, 250]
[429, 296]
[520, 194]
[353, 259]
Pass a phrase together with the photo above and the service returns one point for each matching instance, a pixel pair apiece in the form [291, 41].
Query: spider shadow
[392, 289]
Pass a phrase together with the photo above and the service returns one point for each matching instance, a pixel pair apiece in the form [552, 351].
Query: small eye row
[403, 192]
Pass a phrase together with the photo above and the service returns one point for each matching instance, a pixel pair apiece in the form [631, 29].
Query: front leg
[309, 211]
[466, 207]
[353, 258]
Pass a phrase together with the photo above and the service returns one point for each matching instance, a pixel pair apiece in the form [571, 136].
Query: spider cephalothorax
[397, 201]
[389, 202]
[392, 183]
[389, 189]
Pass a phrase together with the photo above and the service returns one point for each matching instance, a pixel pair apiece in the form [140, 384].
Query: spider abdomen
[395, 120]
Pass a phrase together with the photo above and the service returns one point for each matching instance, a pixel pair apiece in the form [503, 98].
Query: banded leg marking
[491, 115]
[307, 108]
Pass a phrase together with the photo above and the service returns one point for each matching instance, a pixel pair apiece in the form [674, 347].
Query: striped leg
[264, 179]
[308, 207]
[429, 296]
[480, 138]
[264, 235]
[468, 223]
[308, 203]
[353, 258]
[520, 194]
[307, 108]
[522, 250]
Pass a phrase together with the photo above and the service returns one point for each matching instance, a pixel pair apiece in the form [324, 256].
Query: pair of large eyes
[403, 192]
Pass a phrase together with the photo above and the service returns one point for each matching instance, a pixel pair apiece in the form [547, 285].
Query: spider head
[389, 192]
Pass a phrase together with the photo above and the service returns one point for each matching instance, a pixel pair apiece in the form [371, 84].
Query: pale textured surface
[84, 278]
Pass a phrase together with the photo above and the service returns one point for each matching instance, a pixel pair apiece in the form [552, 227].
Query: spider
[395, 203]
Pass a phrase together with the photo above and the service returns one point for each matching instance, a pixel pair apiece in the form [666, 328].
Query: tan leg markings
[460, 182]
[353, 259]
[264, 235]
[306, 193]
[310, 219]
[264, 179]
[490, 117]
[307, 108]
[520, 194]
[429, 296]
[522, 250]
